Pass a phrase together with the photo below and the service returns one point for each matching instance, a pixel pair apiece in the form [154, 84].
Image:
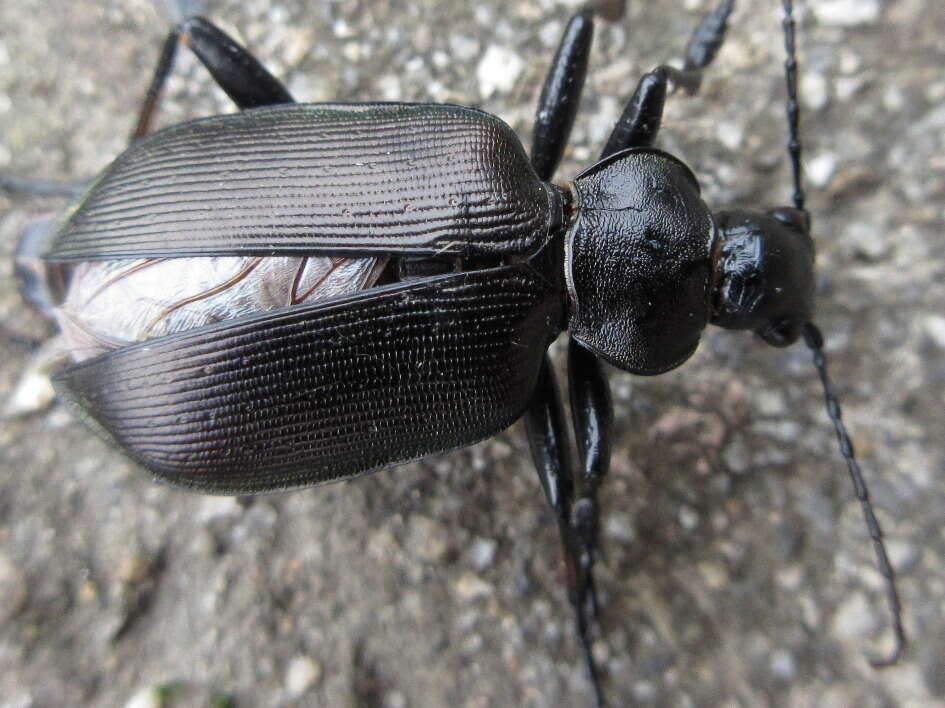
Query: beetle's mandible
[297, 293]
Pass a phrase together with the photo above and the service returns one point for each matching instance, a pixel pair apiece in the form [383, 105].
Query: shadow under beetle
[372, 283]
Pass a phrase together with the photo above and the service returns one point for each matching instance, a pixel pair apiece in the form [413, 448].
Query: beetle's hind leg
[12, 184]
[236, 71]
[640, 121]
[550, 448]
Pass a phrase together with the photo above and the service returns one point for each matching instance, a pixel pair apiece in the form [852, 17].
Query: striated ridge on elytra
[408, 178]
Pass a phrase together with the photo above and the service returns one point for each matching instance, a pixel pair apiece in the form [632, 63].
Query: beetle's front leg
[561, 93]
[235, 70]
[640, 121]
[548, 441]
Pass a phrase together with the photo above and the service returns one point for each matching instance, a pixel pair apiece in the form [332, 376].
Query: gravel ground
[737, 571]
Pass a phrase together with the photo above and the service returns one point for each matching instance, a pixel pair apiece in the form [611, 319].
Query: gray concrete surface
[737, 572]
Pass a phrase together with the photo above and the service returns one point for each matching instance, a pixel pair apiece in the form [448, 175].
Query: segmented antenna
[815, 342]
[793, 108]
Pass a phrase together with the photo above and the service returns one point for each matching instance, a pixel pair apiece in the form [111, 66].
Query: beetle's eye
[795, 218]
[781, 334]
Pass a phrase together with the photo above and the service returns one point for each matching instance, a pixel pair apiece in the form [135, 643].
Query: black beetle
[488, 270]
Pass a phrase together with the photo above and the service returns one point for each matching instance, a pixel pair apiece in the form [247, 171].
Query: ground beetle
[351, 286]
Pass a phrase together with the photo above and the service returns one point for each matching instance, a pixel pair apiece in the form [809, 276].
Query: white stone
[217, 507]
[688, 518]
[464, 48]
[730, 135]
[814, 91]
[934, 326]
[149, 697]
[821, 168]
[302, 674]
[846, 13]
[470, 587]
[427, 538]
[482, 553]
[498, 71]
[783, 665]
[854, 619]
[33, 392]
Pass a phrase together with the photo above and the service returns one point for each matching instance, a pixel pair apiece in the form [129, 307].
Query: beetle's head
[764, 274]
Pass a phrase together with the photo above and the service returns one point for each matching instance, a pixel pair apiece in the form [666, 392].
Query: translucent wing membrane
[110, 304]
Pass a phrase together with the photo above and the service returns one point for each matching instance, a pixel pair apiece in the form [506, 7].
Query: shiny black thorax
[638, 261]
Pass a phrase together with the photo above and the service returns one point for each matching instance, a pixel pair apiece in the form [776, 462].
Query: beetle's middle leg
[236, 71]
[548, 441]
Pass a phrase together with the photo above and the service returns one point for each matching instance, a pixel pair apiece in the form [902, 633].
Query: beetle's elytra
[474, 262]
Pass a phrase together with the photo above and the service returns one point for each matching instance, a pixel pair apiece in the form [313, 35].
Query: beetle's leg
[40, 187]
[592, 411]
[640, 121]
[548, 441]
[235, 70]
[41, 284]
[561, 93]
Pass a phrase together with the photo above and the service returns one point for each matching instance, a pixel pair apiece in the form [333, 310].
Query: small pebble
[934, 326]
[470, 587]
[395, 699]
[33, 392]
[821, 168]
[902, 554]
[854, 618]
[846, 13]
[713, 574]
[302, 674]
[735, 456]
[498, 71]
[770, 403]
[463, 48]
[730, 134]
[482, 553]
[148, 697]
[13, 589]
[783, 665]
[869, 241]
[217, 507]
[814, 91]
[427, 538]
[619, 527]
[688, 518]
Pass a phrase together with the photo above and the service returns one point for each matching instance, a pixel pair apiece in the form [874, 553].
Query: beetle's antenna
[793, 108]
[815, 342]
